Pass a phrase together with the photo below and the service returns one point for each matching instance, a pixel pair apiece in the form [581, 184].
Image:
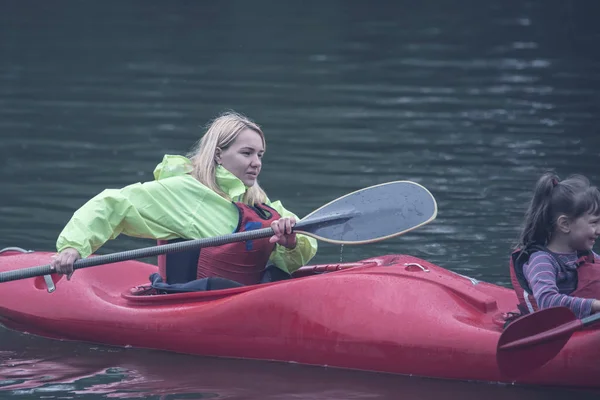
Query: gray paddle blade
[373, 214]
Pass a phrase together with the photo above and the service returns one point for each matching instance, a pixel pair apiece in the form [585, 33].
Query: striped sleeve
[541, 273]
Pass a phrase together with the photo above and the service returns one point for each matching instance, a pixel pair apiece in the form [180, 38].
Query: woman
[213, 192]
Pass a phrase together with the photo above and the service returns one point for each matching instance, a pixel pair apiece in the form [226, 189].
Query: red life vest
[242, 262]
[588, 277]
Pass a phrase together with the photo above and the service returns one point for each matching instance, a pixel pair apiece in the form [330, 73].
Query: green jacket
[174, 205]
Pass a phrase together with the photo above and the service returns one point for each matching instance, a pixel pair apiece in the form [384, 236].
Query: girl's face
[584, 231]
[243, 157]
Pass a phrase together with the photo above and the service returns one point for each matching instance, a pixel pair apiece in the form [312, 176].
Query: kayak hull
[395, 314]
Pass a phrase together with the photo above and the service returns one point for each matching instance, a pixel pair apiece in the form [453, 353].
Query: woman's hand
[283, 232]
[63, 261]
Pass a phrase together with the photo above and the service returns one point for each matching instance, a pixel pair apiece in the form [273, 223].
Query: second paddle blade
[376, 213]
[518, 361]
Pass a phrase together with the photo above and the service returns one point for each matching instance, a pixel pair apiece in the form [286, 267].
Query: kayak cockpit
[144, 294]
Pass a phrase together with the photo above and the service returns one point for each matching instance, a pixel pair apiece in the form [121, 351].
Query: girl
[554, 264]
[212, 192]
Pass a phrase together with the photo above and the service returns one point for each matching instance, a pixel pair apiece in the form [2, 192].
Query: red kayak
[395, 313]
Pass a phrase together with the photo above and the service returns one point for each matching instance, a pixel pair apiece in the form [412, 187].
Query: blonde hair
[221, 133]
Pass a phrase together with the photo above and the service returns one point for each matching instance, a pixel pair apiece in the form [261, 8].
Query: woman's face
[243, 157]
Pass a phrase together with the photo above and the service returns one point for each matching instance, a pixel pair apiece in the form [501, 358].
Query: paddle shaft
[300, 227]
[367, 215]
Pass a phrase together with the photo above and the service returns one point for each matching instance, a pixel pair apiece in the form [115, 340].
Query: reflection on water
[40, 367]
[473, 102]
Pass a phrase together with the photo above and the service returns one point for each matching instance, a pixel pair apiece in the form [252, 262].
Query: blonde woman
[214, 191]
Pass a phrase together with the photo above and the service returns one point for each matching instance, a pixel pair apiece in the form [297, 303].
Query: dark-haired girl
[554, 264]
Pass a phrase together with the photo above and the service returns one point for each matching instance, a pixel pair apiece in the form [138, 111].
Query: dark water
[474, 100]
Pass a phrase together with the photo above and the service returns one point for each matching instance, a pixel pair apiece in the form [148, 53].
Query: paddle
[533, 340]
[368, 215]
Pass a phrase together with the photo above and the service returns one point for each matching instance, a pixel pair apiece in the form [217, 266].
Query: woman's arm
[147, 210]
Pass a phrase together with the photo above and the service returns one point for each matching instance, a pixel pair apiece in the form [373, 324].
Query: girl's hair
[222, 132]
[552, 198]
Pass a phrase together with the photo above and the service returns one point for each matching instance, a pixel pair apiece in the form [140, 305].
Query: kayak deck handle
[17, 249]
[49, 283]
[413, 264]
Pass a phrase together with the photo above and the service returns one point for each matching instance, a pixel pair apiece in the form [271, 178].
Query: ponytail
[538, 224]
